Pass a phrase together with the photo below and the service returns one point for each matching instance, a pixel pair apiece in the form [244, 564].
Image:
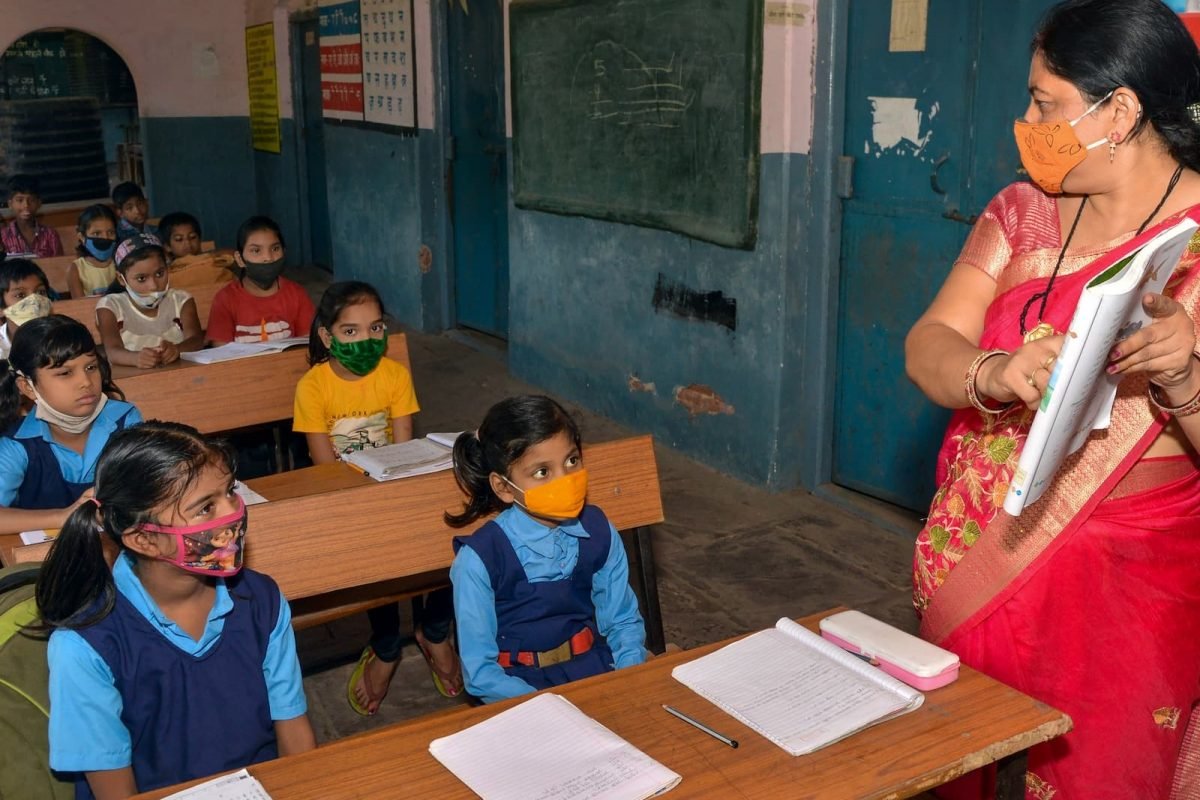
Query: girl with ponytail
[48, 458]
[177, 663]
[541, 593]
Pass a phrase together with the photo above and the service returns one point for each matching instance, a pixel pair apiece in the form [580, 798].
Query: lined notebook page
[547, 749]
[795, 688]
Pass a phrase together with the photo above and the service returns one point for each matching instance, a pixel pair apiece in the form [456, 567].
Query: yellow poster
[264, 87]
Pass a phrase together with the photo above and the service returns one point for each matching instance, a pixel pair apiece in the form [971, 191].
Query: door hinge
[844, 179]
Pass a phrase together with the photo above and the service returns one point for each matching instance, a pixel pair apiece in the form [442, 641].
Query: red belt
[578, 644]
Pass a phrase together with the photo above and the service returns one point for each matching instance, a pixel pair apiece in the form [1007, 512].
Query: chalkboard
[640, 111]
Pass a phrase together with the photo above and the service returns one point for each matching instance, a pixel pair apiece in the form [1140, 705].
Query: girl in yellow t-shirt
[94, 271]
[352, 398]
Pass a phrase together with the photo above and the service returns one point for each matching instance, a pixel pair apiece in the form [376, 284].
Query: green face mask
[359, 357]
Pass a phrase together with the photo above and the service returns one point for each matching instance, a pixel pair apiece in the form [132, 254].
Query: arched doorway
[68, 115]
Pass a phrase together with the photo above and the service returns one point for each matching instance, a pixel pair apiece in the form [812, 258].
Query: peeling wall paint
[636, 384]
[898, 124]
[698, 399]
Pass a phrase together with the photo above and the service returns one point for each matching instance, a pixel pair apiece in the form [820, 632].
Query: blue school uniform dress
[125, 230]
[520, 586]
[136, 690]
[36, 472]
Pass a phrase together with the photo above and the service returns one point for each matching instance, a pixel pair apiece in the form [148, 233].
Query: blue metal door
[479, 180]
[312, 137]
[930, 136]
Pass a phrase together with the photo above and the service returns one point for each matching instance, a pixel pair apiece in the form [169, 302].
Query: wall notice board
[367, 67]
[640, 111]
[263, 86]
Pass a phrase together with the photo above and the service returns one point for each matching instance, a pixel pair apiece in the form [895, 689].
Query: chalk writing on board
[626, 90]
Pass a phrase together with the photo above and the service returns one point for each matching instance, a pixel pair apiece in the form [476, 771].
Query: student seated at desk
[541, 594]
[178, 663]
[148, 324]
[48, 458]
[132, 208]
[181, 236]
[25, 234]
[24, 295]
[94, 271]
[355, 398]
[262, 305]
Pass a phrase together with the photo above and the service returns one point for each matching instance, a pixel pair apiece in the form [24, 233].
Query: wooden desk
[971, 723]
[84, 309]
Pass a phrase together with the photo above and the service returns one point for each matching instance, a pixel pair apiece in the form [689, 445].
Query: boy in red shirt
[262, 305]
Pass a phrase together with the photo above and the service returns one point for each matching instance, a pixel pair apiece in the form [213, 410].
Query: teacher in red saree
[1091, 600]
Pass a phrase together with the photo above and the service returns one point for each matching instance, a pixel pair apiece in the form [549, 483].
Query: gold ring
[1049, 360]
[1031, 382]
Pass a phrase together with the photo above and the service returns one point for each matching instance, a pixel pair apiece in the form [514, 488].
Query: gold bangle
[973, 390]
[1185, 410]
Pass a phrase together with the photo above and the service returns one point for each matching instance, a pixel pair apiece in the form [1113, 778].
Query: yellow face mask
[1049, 150]
[561, 498]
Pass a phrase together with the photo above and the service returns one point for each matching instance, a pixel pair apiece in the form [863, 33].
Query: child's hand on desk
[149, 358]
[168, 352]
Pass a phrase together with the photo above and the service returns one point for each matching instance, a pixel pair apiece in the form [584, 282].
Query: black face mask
[265, 273]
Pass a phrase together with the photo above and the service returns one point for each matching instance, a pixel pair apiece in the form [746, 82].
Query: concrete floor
[731, 558]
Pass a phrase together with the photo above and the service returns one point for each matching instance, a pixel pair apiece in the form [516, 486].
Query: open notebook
[414, 457]
[235, 350]
[797, 689]
[548, 749]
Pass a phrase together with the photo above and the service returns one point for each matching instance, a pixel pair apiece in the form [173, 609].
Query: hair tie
[1193, 112]
[94, 500]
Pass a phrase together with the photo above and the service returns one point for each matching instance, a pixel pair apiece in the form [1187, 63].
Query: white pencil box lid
[890, 645]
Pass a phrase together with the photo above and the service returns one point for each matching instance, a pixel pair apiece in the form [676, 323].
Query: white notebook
[240, 785]
[546, 748]
[403, 460]
[797, 689]
[235, 350]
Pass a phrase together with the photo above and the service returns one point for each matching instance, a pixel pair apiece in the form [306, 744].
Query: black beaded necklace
[1044, 329]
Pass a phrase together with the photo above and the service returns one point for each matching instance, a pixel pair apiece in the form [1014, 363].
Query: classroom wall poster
[263, 85]
[389, 87]
[341, 60]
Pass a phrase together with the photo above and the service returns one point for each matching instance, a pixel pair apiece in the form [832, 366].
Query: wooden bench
[389, 541]
[55, 267]
[84, 309]
[339, 543]
[227, 395]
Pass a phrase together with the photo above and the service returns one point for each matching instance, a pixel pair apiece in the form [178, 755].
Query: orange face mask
[1049, 150]
[561, 498]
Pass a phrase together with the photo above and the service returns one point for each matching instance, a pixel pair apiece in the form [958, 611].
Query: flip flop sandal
[449, 684]
[360, 676]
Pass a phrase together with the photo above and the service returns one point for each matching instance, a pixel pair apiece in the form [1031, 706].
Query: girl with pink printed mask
[177, 663]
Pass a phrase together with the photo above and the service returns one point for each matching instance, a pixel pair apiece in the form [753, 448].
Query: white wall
[187, 57]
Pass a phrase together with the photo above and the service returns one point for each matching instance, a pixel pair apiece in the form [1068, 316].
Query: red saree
[1090, 601]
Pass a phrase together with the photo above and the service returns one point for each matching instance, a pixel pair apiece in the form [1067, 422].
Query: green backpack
[24, 695]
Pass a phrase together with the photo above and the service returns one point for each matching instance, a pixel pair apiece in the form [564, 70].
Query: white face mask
[148, 300]
[68, 422]
[32, 306]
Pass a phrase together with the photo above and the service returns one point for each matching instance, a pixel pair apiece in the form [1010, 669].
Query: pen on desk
[677, 713]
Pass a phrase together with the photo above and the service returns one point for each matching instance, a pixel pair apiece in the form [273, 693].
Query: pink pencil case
[914, 661]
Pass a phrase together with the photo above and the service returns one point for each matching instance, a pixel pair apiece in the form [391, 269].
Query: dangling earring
[1113, 139]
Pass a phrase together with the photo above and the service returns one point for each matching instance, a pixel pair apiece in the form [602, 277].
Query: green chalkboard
[639, 111]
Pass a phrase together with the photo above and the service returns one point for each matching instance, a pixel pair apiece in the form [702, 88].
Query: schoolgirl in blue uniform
[541, 594]
[178, 663]
[48, 458]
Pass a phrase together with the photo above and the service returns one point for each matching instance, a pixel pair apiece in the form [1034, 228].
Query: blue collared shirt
[86, 732]
[75, 468]
[547, 554]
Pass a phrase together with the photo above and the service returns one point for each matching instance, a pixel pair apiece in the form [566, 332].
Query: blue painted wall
[276, 182]
[202, 165]
[583, 325]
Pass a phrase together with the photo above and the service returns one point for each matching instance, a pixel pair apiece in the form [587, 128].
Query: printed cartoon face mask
[561, 498]
[360, 357]
[1049, 150]
[213, 548]
[31, 306]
